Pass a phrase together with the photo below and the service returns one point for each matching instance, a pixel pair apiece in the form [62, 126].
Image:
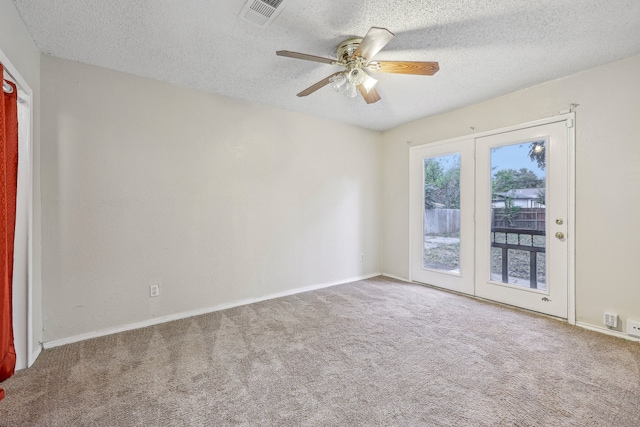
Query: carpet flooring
[376, 352]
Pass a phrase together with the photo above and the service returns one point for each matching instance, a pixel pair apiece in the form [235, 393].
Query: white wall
[607, 177]
[18, 46]
[218, 199]
[274, 200]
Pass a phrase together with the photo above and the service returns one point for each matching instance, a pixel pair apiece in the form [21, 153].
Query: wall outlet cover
[633, 328]
[154, 290]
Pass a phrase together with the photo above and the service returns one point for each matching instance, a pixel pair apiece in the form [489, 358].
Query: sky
[448, 161]
[514, 156]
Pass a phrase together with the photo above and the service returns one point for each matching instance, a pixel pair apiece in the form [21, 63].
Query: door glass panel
[441, 248]
[518, 230]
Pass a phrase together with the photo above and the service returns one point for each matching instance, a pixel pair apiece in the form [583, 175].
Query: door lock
[559, 221]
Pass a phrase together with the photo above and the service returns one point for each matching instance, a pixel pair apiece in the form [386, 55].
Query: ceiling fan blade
[304, 56]
[322, 83]
[373, 42]
[370, 97]
[407, 67]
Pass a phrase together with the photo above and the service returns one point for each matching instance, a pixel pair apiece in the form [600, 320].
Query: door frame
[29, 353]
[569, 119]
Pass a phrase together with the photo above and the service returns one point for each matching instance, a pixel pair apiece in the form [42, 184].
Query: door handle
[560, 235]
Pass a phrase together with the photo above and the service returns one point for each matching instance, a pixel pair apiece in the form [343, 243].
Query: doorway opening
[22, 292]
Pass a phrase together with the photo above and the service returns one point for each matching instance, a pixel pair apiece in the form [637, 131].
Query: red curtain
[8, 190]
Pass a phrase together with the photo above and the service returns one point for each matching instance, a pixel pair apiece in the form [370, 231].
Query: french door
[490, 217]
[521, 227]
[442, 206]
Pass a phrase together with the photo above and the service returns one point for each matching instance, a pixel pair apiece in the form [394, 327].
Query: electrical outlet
[633, 328]
[154, 290]
[361, 257]
[610, 320]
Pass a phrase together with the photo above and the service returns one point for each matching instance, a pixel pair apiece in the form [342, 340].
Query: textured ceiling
[485, 48]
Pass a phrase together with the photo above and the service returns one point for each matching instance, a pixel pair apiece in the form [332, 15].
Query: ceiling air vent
[262, 12]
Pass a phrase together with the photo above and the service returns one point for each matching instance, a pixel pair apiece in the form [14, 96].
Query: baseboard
[34, 355]
[391, 276]
[607, 331]
[198, 312]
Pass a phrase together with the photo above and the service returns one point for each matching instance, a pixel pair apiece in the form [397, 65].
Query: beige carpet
[375, 352]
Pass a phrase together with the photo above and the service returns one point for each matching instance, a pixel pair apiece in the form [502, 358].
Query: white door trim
[569, 118]
[571, 209]
[25, 91]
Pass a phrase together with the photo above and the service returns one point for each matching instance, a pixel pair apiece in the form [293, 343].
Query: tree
[509, 179]
[542, 196]
[442, 187]
[537, 153]
[510, 212]
[503, 181]
[432, 172]
[450, 190]
[429, 196]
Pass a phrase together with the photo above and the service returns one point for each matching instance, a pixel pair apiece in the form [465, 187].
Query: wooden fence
[447, 221]
[441, 221]
[525, 219]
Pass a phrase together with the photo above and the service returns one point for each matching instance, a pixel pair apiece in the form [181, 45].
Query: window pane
[518, 183]
[442, 213]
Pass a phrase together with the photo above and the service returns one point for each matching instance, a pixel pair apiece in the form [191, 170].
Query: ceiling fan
[356, 55]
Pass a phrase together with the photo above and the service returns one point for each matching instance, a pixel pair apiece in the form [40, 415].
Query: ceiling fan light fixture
[369, 83]
[351, 90]
[338, 81]
[357, 76]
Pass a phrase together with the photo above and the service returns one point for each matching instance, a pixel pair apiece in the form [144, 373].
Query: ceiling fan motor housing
[346, 49]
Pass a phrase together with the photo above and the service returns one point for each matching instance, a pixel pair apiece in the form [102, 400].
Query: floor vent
[262, 12]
